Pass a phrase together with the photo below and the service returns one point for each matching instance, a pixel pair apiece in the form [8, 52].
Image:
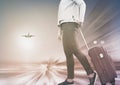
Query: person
[70, 19]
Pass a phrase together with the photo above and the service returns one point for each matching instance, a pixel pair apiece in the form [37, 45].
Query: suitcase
[103, 65]
[102, 62]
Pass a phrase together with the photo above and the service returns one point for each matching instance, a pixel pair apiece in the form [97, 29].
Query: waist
[69, 24]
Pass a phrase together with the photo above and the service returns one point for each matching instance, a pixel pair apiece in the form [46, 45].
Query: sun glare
[26, 43]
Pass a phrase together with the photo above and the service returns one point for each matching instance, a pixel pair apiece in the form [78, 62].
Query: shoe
[92, 80]
[66, 83]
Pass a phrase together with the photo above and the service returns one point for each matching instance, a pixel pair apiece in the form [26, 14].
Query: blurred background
[39, 18]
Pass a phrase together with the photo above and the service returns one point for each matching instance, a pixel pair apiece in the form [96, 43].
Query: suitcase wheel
[112, 82]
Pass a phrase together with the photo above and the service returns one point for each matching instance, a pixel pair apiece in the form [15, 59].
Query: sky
[39, 18]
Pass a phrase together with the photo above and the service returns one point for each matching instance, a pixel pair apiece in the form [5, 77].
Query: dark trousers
[71, 47]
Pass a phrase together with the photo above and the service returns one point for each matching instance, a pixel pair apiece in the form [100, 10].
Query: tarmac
[43, 74]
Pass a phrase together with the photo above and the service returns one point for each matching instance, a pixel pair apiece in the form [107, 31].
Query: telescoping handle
[83, 37]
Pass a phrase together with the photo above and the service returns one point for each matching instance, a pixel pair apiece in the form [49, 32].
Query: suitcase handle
[83, 37]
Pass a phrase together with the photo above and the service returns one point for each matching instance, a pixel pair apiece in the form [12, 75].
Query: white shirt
[71, 11]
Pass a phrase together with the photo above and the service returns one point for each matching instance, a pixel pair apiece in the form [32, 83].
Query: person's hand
[59, 34]
[60, 37]
[80, 24]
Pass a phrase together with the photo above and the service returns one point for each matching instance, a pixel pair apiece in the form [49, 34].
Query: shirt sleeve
[78, 1]
[59, 14]
[82, 9]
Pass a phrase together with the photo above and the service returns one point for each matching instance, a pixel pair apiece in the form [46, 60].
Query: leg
[83, 60]
[67, 41]
[91, 74]
[70, 68]
[70, 63]
[69, 56]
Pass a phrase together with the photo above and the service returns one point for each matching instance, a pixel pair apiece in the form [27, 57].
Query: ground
[42, 74]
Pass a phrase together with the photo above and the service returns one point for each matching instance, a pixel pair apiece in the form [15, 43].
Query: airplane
[28, 35]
